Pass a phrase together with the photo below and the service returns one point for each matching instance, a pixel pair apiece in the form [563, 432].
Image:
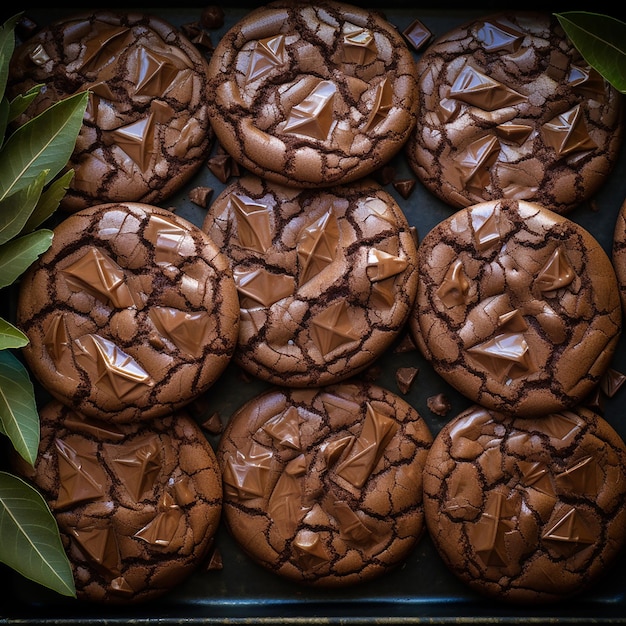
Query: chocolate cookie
[326, 278]
[324, 486]
[517, 307]
[146, 130]
[312, 95]
[527, 510]
[137, 505]
[131, 313]
[618, 252]
[509, 109]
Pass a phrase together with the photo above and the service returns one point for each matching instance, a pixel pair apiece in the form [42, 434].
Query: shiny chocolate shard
[477, 89]
[253, 223]
[268, 54]
[359, 45]
[115, 371]
[246, 474]
[258, 287]
[556, 273]
[568, 532]
[314, 117]
[567, 133]
[188, 331]
[488, 534]
[317, 246]
[505, 356]
[332, 328]
[369, 447]
[100, 276]
[455, 285]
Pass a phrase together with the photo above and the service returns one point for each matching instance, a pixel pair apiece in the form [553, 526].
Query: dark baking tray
[421, 590]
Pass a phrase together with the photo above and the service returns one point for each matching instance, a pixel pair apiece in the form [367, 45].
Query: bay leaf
[20, 103]
[7, 45]
[17, 208]
[18, 411]
[4, 119]
[11, 336]
[601, 41]
[45, 142]
[18, 254]
[31, 544]
[49, 201]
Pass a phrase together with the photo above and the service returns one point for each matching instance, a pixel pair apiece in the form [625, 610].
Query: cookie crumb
[406, 344]
[611, 382]
[439, 404]
[405, 187]
[212, 16]
[405, 377]
[372, 373]
[417, 35]
[213, 424]
[201, 196]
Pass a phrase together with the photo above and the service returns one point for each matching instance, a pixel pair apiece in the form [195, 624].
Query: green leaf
[601, 41]
[45, 142]
[18, 411]
[31, 544]
[18, 254]
[17, 208]
[7, 45]
[10, 336]
[49, 201]
[4, 119]
[20, 103]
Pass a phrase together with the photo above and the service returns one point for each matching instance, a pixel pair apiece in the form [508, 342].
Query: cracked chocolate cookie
[509, 109]
[517, 307]
[527, 510]
[137, 505]
[326, 278]
[618, 253]
[312, 95]
[324, 486]
[146, 129]
[131, 313]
